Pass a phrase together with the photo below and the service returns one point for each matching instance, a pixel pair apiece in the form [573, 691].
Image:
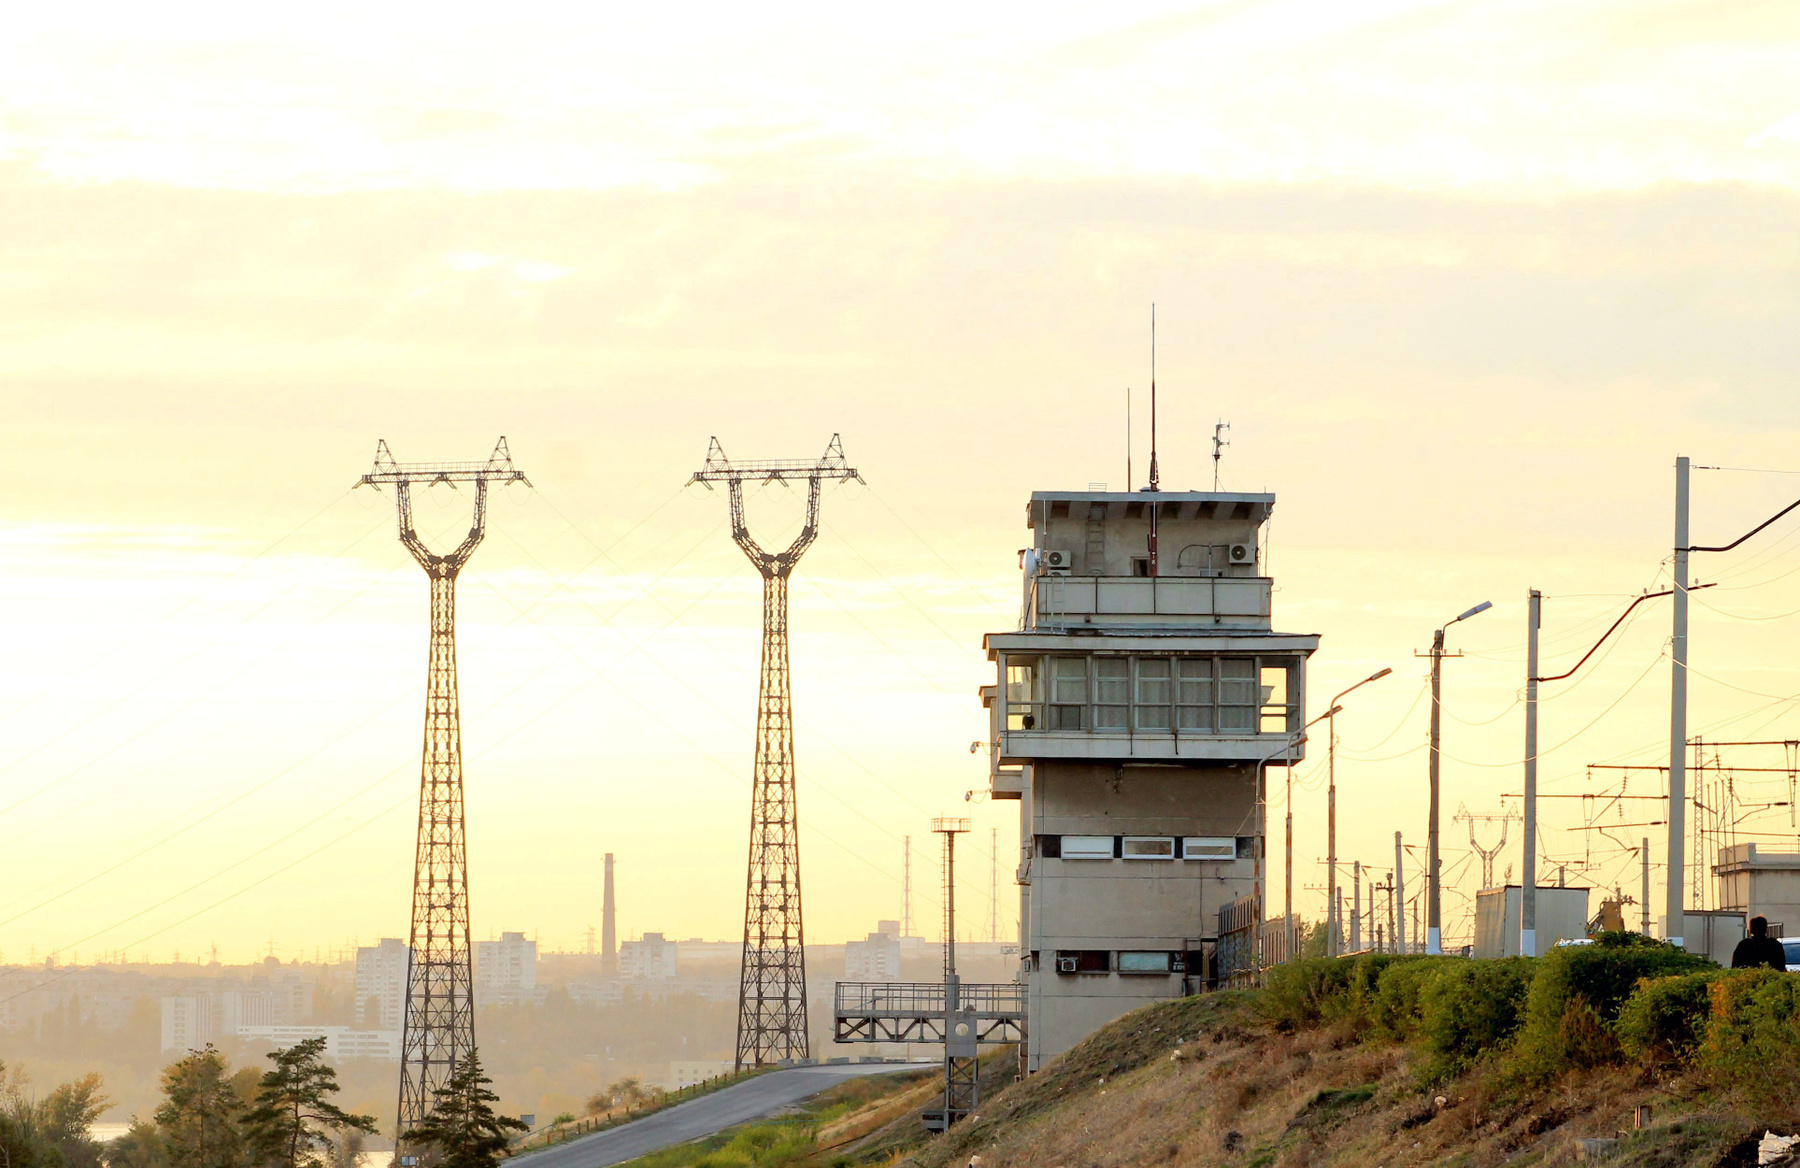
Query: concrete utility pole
[1434, 934]
[1399, 897]
[1678, 653]
[1334, 933]
[1356, 907]
[1528, 872]
[1644, 900]
[960, 1080]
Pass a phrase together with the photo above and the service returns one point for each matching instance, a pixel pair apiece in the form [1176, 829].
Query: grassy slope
[1244, 1094]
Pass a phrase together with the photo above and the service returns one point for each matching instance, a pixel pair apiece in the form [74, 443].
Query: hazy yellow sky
[1464, 278]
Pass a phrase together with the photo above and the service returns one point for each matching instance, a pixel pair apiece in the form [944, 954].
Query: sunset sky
[1463, 277]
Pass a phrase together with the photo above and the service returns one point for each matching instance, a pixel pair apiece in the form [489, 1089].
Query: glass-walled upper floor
[1151, 693]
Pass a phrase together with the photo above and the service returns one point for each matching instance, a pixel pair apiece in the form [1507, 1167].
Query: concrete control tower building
[1132, 708]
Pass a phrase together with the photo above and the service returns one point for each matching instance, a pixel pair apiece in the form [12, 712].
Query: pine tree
[463, 1129]
[294, 1119]
[202, 1115]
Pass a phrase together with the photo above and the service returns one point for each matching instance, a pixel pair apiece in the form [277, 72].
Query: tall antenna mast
[1220, 442]
[1129, 476]
[772, 979]
[1155, 481]
[438, 1022]
[906, 921]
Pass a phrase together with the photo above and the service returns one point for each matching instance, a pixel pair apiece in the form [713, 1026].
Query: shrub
[1663, 1022]
[1305, 992]
[1752, 1041]
[1394, 1010]
[1466, 1009]
[1576, 996]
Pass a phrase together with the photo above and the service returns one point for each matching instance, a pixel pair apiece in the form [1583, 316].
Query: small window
[1152, 693]
[1150, 962]
[1194, 693]
[1112, 692]
[1239, 698]
[1209, 847]
[1050, 846]
[1068, 692]
[1140, 565]
[1149, 847]
[1087, 847]
[1083, 961]
[1276, 715]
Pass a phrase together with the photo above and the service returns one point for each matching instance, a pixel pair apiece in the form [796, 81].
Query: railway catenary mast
[438, 1020]
[772, 980]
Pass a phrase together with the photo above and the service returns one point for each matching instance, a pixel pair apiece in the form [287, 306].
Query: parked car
[1792, 947]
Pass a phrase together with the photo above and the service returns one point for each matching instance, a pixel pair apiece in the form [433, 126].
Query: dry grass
[1244, 1095]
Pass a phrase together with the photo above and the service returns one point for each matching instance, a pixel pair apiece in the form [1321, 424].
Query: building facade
[1135, 712]
[505, 970]
[650, 958]
[876, 958]
[381, 984]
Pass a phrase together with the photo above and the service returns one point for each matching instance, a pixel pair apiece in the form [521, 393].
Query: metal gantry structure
[438, 1022]
[772, 980]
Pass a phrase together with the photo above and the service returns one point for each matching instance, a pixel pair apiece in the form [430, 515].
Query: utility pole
[772, 980]
[1644, 900]
[1678, 654]
[960, 1067]
[1287, 853]
[438, 1022]
[1399, 896]
[1333, 926]
[1528, 873]
[1434, 937]
[1356, 907]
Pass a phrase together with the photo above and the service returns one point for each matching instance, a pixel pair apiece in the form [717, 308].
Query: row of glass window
[1203, 694]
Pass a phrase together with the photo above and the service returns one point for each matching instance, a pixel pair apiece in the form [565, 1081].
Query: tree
[68, 1112]
[201, 1119]
[463, 1129]
[141, 1146]
[51, 1132]
[294, 1120]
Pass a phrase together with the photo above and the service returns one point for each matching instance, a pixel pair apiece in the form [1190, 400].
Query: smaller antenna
[1154, 481]
[1220, 442]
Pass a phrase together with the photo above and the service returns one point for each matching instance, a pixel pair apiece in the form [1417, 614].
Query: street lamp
[1434, 935]
[1262, 836]
[1333, 928]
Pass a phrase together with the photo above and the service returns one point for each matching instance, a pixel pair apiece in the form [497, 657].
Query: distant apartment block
[874, 959]
[381, 984]
[650, 958]
[506, 970]
[341, 1042]
[190, 1021]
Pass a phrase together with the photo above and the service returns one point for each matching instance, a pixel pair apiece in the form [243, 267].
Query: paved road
[753, 1099]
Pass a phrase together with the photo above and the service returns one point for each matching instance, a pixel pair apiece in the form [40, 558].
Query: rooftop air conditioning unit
[1058, 563]
[1068, 965]
[1242, 553]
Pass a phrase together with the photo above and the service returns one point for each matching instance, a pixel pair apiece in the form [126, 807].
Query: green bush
[1576, 996]
[1663, 1022]
[1393, 1011]
[1306, 992]
[1752, 1041]
[1467, 1009]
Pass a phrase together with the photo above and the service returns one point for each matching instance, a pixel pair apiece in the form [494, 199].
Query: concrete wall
[1121, 904]
[1562, 915]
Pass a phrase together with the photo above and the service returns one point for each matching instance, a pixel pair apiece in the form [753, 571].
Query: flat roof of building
[1235, 505]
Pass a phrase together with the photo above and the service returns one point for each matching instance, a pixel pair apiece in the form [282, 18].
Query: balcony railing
[1230, 601]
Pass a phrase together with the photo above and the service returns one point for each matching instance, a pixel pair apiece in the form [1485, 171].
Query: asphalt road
[753, 1099]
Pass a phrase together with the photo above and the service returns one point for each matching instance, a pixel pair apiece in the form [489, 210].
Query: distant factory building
[1132, 713]
[381, 984]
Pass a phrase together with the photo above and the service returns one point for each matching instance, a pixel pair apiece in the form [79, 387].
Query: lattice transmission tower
[438, 1023]
[772, 980]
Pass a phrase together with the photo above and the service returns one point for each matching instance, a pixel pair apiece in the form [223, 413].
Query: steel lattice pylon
[438, 1023]
[772, 980]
